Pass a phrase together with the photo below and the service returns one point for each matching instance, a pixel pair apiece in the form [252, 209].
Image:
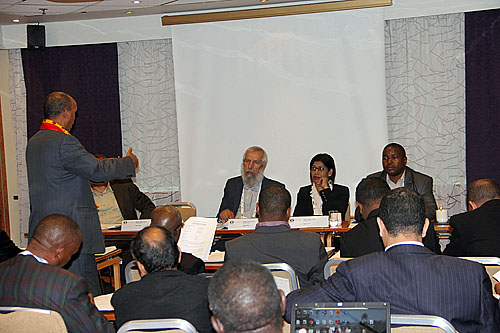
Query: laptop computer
[351, 317]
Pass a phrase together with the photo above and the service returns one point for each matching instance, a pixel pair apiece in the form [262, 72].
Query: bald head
[56, 238]
[169, 218]
[481, 191]
[243, 297]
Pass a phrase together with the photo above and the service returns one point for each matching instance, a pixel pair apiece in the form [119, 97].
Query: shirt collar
[272, 224]
[29, 253]
[404, 243]
[398, 184]
[255, 188]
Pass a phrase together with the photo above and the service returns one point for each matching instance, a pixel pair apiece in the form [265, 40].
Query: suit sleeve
[454, 247]
[335, 200]
[80, 315]
[344, 249]
[338, 288]
[490, 313]
[428, 196]
[303, 205]
[317, 275]
[76, 160]
[142, 202]
[225, 203]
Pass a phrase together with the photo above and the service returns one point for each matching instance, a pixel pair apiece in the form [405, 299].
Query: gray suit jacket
[414, 281]
[60, 171]
[420, 183]
[302, 250]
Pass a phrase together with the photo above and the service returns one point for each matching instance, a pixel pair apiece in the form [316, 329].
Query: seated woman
[323, 195]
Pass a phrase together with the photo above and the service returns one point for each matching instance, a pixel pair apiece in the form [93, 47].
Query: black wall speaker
[36, 36]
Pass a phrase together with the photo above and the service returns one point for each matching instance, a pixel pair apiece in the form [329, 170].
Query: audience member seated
[241, 192]
[118, 200]
[323, 195]
[35, 279]
[163, 291]
[477, 233]
[413, 279]
[273, 241]
[364, 238]
[243, 298]
[7, 247]
[397, 174]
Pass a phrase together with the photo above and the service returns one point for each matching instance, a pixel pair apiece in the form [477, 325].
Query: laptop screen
[355, 317]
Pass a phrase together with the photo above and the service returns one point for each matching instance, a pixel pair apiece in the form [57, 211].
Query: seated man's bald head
[169, 218]
[56, 238]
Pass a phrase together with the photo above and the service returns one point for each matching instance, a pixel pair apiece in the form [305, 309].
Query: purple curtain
[482, 87]
[89, 73]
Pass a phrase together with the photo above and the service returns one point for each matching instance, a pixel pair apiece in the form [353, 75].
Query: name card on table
[309, 222]
[242, 224]
[135, 225]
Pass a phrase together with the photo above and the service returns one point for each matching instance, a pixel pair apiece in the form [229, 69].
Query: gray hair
[254, 149]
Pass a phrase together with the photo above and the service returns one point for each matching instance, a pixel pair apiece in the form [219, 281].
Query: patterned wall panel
[425, 80]
[148, 115]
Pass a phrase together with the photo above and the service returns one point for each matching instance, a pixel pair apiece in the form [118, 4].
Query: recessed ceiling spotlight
[129, 12]
[15, 20]
[136, 2]
[263, 0]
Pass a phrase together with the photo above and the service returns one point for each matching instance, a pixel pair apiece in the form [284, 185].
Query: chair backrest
[132, 272]
[282, 271]
[414, 323]
[187, 209]
[491, 264]
[157, 324]
[30, 320]
[331, 266]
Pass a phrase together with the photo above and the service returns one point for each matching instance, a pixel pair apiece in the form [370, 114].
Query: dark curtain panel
[89, 73]
[482, 81]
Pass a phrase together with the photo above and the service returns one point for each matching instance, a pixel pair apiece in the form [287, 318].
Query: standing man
[241, 192]
[476, 233]
[60, 172]
[397, 174]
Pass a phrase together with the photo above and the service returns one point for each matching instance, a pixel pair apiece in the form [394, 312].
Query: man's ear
[360, 205]
[425, 228]
[282, 301]
[57, 255]
[289, 211]
[257, 209]
[473, 205]
[217, 325]
[381, 227]
[142, 270]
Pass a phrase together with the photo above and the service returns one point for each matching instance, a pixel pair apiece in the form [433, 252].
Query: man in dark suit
[163, 291]
[60, 171]
[241, 192]
[409, 276]
[476, 233]
[7, 247]
[243, 297]
[34, 278]
[397, 174]
[364, 238]
[273, 241]
[170, 218]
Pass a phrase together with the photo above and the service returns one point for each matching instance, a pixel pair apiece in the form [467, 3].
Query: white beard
[252, 179]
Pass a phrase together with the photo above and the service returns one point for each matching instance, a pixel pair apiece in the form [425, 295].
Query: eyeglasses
[314, 168]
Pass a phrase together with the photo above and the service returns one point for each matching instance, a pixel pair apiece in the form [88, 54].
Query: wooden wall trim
[4, 194]
[273, 11]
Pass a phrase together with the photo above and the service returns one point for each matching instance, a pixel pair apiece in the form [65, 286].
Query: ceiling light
[136, 2]
[15, 20]
[129, 12]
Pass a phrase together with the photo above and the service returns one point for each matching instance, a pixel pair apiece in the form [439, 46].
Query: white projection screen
[294, 85]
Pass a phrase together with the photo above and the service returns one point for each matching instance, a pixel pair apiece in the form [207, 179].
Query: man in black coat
[477, 233]
[364, 238]
[163, 291]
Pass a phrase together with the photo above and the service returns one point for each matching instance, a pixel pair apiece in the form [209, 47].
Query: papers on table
[103, 302]
[107, 250]
[217, 256]
[197, 236]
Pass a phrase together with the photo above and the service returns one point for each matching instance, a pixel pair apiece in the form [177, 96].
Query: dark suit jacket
[414, 281]
[476, 233]
[26, 282]
[364, 238]
[420, 183]
[302, 250]
[60, 171]
[7, 247]
[130, 198]
[232, 193]
[164, 294]
[338, 199]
